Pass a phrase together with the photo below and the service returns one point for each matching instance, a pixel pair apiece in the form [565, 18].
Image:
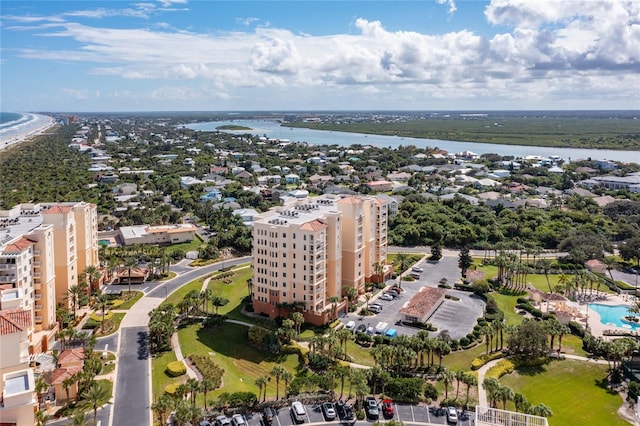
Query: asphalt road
[132, 401]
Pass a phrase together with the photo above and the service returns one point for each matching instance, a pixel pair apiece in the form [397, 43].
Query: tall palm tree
[162, 406]
[93, 274]
[95, 397]
[469, 380]
[403, 262]
[102, 301]
[262, 383]
[206, 385]
[447, 377]
[130, 262]
[278, 371]
[73, 294]
[194, 388]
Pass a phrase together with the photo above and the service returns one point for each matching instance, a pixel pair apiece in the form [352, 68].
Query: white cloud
[544, 49]
[450, 3]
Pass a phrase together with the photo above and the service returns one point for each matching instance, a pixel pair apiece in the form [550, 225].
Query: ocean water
[7, 117]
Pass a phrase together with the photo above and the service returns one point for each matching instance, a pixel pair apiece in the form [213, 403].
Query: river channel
[273, 130]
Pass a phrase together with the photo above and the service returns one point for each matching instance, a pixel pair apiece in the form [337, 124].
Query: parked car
[381, 327]
[345, 412]
[452, 415]
[371, 407]
[328, 411]
[350, 325]
[417, 269]
[415, 275]
[386, 296]
[298, 412]
[223, 421]
[268, 415]
[387, 408]
[392, 293]
[392, 332]
[361, 328]
[370, 331]
[376, 309]
[238, 420]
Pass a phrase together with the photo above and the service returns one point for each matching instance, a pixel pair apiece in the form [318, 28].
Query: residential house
[380, 185]
[70, 362]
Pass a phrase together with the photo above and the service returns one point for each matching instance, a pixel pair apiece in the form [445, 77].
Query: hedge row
[483, 359]
[209, 369]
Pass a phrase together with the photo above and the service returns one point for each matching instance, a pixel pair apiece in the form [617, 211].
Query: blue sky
[161, 55]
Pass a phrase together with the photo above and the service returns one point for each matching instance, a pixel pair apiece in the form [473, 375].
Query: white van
[298, 413]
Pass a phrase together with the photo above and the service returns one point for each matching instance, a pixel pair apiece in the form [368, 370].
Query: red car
[387, 408]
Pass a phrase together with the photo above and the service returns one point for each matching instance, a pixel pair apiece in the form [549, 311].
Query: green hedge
[176, 368]
[171, 388]
[97, 316]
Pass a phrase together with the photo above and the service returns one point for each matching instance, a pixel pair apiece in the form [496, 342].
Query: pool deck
[595, 326]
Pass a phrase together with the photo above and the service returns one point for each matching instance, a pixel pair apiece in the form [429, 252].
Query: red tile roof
[71, 356]
[424, 302]
[58, 209]
[14, 321]
[16, 247]
[314, 225]
[61, 374]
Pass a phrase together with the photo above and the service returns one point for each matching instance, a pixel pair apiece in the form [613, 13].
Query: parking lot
[456, 316]
[422, 414]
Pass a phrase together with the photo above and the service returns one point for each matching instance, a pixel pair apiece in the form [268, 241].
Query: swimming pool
[613, 315]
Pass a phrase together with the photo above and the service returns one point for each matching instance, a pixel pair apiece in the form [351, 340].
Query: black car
[345, 412]
[268, 415]
[361, 328]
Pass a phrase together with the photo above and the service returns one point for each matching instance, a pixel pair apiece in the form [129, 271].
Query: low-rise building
[422, 305]
[162, 234]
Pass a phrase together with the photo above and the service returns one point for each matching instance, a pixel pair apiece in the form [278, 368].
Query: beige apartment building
[43, 249]
[307, 252]
[17, 382]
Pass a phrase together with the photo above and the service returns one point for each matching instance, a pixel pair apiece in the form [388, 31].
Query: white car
[350, 325]
[238, 420]
[417, 269]
[386, 296]
[452, 415]
[381, 327]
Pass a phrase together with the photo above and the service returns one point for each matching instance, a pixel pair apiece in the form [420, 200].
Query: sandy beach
[14, 135]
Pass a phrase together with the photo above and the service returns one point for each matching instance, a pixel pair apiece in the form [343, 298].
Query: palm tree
[403, 262]
[334, 300]
[262, 382]
[41, 387]
[194, 388]
[459, 378]
[79, 418]
[67, 383]
[74, 293]
[95, 397]
[545, 265]
[504, 394]
[93, 274]
[162, 406]
[286, 378]
[447, 377]
[298, 320]
[611, 264]
[41, 417]
[469, 380]
[521, 402]
[278, 371]
[540, 410]
[101, 303]
[130, 262]
[206, 385]
[344, 336]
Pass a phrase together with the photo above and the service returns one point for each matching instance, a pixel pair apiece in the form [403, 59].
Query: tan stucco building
[309, 251]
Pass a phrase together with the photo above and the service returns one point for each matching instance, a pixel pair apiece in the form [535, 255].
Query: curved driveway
[132, 388]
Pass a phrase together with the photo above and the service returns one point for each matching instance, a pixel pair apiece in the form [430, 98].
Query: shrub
[335, 323]
[97, 316]
[482, 322]
[116, 303]
[504, 366]
[522, 300]
[536, 313]
[483, 359]
[464, 341]
[576, 329]
[430, 392]
[209, 369]
[176, 368]
[171, 388]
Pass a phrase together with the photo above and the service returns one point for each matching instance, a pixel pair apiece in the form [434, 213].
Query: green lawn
[117, 319]
[179, 294]
[461, 360]
[571, 389]
[507, 304]
[193, 245]
[242, 363]
[158, 375]
[137, 295]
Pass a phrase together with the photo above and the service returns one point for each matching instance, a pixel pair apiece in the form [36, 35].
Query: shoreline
[42, 123]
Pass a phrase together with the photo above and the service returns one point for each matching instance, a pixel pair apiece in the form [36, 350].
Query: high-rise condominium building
[307, 252]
